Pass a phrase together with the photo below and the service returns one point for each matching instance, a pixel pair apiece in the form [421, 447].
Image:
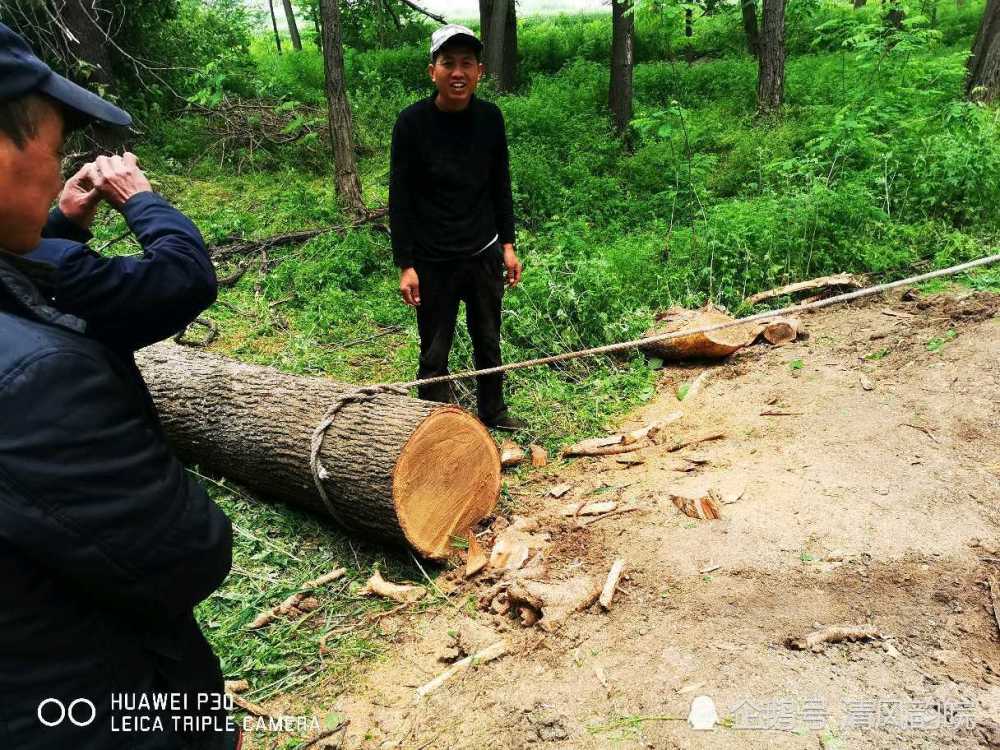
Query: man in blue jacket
[106, 543]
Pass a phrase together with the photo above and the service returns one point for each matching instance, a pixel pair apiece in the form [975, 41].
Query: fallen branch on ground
[208, 323]
[297, 602]
[248, 706]
[238, 247]
[488, 654]
[844, 280]
[404, 594]
[817, 640]
[696, 441]
[622, 443]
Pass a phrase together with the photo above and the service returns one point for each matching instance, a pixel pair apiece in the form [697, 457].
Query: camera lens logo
[52, 712]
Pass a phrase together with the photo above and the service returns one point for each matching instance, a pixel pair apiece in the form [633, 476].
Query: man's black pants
[479, 282]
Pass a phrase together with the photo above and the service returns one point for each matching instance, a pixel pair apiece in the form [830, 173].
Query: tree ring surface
[447, 479]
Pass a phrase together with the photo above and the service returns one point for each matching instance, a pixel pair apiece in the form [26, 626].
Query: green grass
[276, 550]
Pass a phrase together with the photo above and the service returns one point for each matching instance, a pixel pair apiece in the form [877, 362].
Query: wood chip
[402, 593]
[559, 490]
[511, 454]
[818, 640]
[601, 677]
[780, 413]
[554, 600]
[488, 654]
[614, 575]
[705, 508]
[696, 387]
[824, 282]
[709, 569]
[539, 456]
[513, 547]
[477, 559]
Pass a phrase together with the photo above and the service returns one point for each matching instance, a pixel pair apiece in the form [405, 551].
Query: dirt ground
[869, 495]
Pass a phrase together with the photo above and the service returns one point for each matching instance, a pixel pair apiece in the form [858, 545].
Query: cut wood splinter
[614, 575]
[404, 594]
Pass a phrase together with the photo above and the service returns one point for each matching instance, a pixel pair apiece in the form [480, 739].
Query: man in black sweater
[452, 218]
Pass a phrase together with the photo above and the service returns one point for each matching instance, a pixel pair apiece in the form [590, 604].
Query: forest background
[877, 160]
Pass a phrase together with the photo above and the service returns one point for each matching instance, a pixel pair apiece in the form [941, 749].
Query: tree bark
[485, 13]
[84, 19]
[395, 468]
[501, 49]
[771, 68]
[983, 81]
[348, 184]
[622, 60]
[293, 27]
[274, 25]
[750, 26]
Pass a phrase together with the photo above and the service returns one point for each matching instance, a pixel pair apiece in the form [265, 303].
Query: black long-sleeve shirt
[449, 182]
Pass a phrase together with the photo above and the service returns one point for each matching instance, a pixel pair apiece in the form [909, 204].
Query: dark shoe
[508, 423]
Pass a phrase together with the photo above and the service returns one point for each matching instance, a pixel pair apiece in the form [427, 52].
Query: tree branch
[427, 13]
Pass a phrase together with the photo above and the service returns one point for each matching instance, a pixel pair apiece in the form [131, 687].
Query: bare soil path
[869, 495]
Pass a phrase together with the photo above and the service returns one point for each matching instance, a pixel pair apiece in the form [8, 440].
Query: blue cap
[21, 73]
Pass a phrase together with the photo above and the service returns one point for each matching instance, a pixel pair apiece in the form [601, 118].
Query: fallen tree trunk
[396, 468]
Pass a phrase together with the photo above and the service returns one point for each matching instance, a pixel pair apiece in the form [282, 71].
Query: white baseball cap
[449, 32]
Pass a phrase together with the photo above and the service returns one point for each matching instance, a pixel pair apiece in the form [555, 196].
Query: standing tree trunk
[860, 3]
[622, 59]
[485, 13]
[274, 24]
[983, 82]
[396, 468]
[85, 20]
[293, 28]
[501, 47]
[348, 183]
[895, 16]
[750, 26]
[771, 76]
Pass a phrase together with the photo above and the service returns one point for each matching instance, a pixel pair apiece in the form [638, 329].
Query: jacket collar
[19, 279]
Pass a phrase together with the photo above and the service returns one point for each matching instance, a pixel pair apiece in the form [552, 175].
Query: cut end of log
[462, 489]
